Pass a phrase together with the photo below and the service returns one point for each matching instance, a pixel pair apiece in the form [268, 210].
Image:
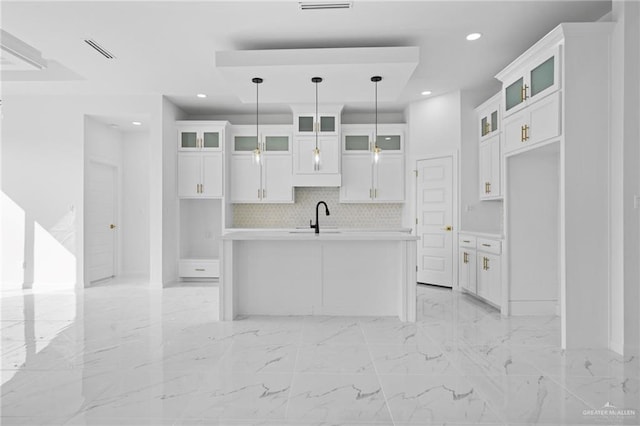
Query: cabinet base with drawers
[480, 267]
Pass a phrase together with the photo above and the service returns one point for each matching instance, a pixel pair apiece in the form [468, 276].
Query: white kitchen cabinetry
[200, 136]
[201, 158]
[539, 78]
[489, 117]
[327, 124]
[480, 267]
[327, 172]
[489, 156]
[489, 277]
[271, 180]
[327, 132]
[365, 181]
[200, 175]
[489, 150]
[467, 263]
[533, 125]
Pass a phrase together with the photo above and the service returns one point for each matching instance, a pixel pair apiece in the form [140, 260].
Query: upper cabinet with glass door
[358, 138]
[489, 117]
[535, 78]
[327, 124]
[200, 136]
[274, 139]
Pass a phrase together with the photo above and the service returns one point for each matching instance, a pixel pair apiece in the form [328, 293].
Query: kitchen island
[298, 272]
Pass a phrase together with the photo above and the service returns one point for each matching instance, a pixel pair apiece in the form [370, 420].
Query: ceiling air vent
[321, 5]
[101, 50]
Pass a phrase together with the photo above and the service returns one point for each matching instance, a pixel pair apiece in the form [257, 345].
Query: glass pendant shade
[316, 128]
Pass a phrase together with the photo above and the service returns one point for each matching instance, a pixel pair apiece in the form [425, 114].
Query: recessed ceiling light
[136, 123]
[426, 92]
[201, 95]
[473, 36]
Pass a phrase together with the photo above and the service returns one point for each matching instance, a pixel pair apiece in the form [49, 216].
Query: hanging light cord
[316, 124]
[375, 136]
[257, 130]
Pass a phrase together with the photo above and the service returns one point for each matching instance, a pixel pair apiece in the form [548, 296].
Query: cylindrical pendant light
[376, 149]
[316, 127]
[257, 154]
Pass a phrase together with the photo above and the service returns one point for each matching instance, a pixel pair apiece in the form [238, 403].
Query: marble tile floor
[125, 354]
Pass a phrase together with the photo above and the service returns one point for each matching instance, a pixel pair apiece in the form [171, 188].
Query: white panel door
[245, 179]
[356, 178]
[329, 154]
[189, 174]
[212, 175]
[435, 221]
[277, 183]
[101, 221]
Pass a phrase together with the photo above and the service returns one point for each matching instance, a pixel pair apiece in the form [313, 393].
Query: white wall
[433, 129]
[135, 203]
[625, 179]
[164, 233]
[43, 162]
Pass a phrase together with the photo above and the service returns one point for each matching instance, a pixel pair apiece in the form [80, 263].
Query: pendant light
[316, 127]
[257, 154]
[376, 148]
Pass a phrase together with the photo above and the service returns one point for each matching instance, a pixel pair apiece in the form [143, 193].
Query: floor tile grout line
[375, 369]
[293, 374]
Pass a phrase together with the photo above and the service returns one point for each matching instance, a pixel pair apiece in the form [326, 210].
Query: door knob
[448, 228]
[112, 226]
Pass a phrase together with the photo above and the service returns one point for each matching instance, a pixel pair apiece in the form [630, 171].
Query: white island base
[334, 273]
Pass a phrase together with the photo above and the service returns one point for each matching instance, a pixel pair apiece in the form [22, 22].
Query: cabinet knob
[112, 226]
[448, 228]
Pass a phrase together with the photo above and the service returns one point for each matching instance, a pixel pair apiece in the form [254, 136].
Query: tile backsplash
[299, 213]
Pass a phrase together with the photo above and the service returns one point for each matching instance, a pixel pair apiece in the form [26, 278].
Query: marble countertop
[327, 234]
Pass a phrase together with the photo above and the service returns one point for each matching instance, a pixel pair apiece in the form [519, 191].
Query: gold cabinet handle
[448, 228]
[526, 132]
[488, 187]
[521, 133]
[258, 193]
[465, 257]
[112, 226]
[199, 269]
[523, 93]
[375, 193]
[264, 194]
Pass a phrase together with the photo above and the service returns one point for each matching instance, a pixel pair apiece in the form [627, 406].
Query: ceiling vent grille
[325, 5]
[101, 50]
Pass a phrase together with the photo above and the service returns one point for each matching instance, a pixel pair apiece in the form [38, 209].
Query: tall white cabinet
[556, 122]
[200, 189]
[490, 147]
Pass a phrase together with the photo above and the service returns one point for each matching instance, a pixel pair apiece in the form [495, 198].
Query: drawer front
[467, 241]
[489, 246]
[199, 268]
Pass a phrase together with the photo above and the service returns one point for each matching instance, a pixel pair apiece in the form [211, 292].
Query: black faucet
[317, 225]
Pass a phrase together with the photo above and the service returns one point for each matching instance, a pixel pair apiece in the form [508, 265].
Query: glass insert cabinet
[534, 83]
